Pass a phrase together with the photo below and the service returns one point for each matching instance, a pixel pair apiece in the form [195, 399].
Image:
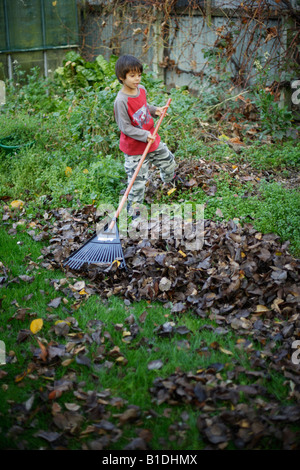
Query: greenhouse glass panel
[37, 24]
[24, 19]
[61, 22]
[3, 45]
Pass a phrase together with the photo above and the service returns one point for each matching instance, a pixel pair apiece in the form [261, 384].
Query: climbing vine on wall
[198, 38]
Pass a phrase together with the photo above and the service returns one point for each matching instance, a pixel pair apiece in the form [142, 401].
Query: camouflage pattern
[162, 158]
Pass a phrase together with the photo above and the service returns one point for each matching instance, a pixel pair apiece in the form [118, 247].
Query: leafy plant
[79, 73]
[274, 120]
[22, 129]
[277, 156]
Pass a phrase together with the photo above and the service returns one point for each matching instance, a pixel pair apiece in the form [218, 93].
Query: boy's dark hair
[127, 63]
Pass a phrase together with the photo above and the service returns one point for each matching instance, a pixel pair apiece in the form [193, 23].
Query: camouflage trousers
[162, 158]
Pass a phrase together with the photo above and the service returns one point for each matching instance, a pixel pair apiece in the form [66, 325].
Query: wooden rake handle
[122, 202]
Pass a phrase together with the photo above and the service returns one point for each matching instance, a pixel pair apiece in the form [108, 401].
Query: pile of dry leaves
[237, 275]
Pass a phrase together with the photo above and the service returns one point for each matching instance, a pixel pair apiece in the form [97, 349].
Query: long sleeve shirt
[135, 120]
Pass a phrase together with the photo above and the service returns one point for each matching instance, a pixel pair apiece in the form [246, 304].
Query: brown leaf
[23, 335]
[55, 302]
[217, 433]
[55, 394]
[131, 414]
[43, 353]
[136, 444]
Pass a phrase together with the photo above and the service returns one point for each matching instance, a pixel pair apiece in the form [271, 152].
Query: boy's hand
[160, 110]
[150, 137]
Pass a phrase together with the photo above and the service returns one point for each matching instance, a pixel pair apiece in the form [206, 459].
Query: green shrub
[77, 73]
[273, 156]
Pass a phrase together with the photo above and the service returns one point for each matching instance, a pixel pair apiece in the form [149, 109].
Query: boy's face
[132, 81]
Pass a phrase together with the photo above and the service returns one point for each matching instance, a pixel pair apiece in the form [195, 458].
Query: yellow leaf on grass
[224, 137]
[225, 351]
[20, 377]
[126, 333]
[120, 359]
[62, 321]
[85, 171]
[68, 171]
[83, 292]
[17, 204]
[171, 191]
[36, 325]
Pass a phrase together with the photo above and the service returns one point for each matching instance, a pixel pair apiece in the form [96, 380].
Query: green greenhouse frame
[31, 26]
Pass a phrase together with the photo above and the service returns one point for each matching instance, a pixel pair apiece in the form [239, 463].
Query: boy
[135, 120]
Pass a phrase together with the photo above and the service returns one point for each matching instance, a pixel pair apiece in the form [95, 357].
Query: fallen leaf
[261, 309]
[171, 191]
[225, 351]
[72, 406]
[68, 171]
[26, 278]
[78, 286]
[44, 353]
[55, 302]
[131, 414]
[49, 436]
[224, 137]
[55, 394]
[165, 284]
[157, 364]
[17, 204]
[36, 325]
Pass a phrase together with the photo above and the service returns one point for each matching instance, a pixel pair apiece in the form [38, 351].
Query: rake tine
[102, 249]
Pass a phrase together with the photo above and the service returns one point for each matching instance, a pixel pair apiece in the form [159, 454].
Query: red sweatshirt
[135, 120]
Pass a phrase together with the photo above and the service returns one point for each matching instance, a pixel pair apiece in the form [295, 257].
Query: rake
[105, 247]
